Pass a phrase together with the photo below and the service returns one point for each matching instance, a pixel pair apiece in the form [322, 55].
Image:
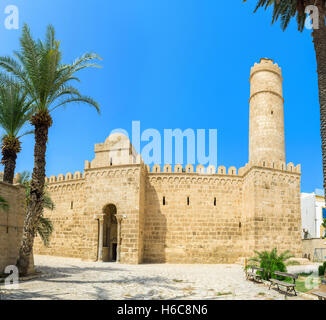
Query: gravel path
[66, 278]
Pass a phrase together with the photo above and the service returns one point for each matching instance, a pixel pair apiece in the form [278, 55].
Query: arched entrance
[110, 233]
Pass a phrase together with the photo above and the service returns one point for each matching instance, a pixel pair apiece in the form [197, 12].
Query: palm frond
[3, 204]
[45, 78]
[271, 261]
[15, 107]
[45, 229]
[82, 99]
[285, 10]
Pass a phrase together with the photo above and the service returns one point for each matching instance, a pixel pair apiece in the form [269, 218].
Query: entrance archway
[110, 233]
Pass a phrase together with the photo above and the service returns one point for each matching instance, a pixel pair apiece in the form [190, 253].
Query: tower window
[110, 161]
[188, 201]
[215, 201]
[272, 112]
[163, 201]
[71, 205]
[239, 225]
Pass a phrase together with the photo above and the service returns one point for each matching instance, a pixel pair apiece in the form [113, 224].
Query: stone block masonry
[120, 209]
[11, 223]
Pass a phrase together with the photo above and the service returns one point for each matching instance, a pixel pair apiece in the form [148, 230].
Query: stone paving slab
[67, 278]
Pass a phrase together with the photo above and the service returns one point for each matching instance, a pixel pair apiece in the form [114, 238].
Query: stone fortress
[120, 210]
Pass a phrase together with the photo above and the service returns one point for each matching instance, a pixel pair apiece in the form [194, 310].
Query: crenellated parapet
[222, 170]
[77, 176]
[266, 64]
[188, 169]
[16, 178]
[278, 165]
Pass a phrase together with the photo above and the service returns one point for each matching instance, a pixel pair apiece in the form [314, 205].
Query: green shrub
[271, 262]
[321, 269]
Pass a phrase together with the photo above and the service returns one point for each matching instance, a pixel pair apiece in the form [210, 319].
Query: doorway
[114, 251]
[110, 233]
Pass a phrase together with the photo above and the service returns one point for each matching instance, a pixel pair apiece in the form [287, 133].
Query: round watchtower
[266, 117]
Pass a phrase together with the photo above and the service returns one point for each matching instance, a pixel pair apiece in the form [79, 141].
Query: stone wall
[272, 217]
[204, 229]
[77, 229]
[11, 223]
[178, 217]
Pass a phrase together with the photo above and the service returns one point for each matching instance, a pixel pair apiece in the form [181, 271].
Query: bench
[253, 275]
[321, 295]
[289, 286]
[321, 291]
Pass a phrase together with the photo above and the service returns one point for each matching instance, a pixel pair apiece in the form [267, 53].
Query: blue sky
[172, 64]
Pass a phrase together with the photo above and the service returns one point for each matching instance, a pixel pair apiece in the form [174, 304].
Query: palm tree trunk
[9, 161]
[319, 39]
[41, 121]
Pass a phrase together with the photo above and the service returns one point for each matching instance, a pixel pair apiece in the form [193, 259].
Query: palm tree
[271, 261]
[44, 226]
[38, 66]
[285, 10]
[15, 111]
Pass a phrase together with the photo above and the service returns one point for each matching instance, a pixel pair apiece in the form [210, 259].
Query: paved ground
[66, 278]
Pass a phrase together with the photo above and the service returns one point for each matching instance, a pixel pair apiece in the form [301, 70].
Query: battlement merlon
[189, 169]
[266, 64]
[222, 170]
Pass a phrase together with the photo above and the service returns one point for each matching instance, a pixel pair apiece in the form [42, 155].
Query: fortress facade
[119, 209]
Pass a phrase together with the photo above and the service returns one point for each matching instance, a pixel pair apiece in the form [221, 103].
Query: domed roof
[117, 138]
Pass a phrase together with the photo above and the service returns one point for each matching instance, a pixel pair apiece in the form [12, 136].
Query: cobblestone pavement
[66, 278]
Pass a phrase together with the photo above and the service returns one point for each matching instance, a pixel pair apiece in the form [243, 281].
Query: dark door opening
[114, 251]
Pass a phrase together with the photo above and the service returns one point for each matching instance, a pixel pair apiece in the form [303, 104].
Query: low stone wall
[309, 246]
[11, 223]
